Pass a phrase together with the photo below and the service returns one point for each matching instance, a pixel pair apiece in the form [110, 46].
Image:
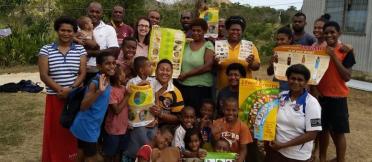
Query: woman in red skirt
[62, 67]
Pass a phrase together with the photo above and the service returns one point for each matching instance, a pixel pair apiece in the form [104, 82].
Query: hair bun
[326, 16]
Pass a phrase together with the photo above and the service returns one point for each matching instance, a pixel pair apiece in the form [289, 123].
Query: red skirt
[59, 145]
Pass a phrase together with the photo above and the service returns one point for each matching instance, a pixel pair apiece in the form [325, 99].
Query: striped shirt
[63, 69]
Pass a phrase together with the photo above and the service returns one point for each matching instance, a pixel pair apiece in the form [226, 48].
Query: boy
[283, 37]
[234, 72]
[139, 136]
[125, 58]
[205, 122]
[86, 28]
[334, 92]
[222, 145]
[230, 128]
[187, 122]
[87, 124]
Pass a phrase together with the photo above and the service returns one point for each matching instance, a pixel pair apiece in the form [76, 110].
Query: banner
[211, 16]
[140, 101]
[315, 59]
[168, 44]
[259, 103]
[220, 157]
[222, 49]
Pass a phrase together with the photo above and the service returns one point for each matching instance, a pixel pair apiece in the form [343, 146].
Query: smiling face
[282, 39]
[65, 33]
[129, 49]
[108, 66]
[197, 33]
[154, 17]
[206, 110]
[234, 33]
[117, 14]
[188, 118]
[95, 13]
[164, 73]
[296, 82]
[230, 111]
[194, 143]
[318, 29]
[331, 36]
[233, 78]
[143, 27]
[163, 140]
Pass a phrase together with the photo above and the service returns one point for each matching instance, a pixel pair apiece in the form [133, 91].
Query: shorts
[335, 115]
[113, 144]
[89, 148]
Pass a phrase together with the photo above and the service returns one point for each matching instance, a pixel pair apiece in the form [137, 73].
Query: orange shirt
[237, 133]
[332, 85]
[233, 58]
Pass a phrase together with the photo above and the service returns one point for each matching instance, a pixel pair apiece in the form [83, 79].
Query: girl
[116, 123]
[125, 58]
[193, 142]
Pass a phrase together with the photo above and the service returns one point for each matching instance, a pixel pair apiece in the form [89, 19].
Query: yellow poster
[258, 106]
[314, 58]
[140, 101]
[211, 16]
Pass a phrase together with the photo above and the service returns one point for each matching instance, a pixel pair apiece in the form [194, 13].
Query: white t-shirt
[179, 135]
[136, 80]
[293, 121]
[105, 36]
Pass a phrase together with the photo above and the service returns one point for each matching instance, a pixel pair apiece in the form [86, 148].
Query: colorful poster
[220, 157]
[211, 16]
[168, 44]
[140, 101]
[314, 58]
[222, 49]
[258, 103]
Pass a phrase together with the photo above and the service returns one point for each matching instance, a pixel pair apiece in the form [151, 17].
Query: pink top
[117, 124]
[142, 50]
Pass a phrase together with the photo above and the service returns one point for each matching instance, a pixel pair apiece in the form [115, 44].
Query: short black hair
[166, 128]
[236, 66]
[128, 39]
[285, 30]
[200, 22]
[332, 24]
[102, 56]
[208, 101]
[298, 69]
[190, 132]
[298, 14]
[187, 108]
[235, 20]
[65, 20]
[190, 12]
[164, 61]
[230, 99]
[139, 62]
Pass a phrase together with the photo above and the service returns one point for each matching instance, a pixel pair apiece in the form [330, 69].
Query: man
[186, 20]
[154, 17]
[122, 30]
[221, 29]
[105, 38]
[299, 34]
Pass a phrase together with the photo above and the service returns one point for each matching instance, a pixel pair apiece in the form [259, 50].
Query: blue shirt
[63, 69]
[306, 40]
[87, 124]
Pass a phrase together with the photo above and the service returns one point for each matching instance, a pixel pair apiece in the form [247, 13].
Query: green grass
[19, 69]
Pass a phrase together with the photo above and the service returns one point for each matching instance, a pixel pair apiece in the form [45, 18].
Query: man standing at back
[122, 30]
[154, 17]
[299, 34]
[186, 20]
[104, 35]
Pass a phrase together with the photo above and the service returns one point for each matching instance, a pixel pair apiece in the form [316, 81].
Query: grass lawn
[18, 69]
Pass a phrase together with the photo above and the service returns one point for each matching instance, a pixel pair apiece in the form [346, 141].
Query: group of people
[195, 113]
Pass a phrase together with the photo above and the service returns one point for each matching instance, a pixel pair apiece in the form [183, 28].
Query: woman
[298, 120]
[196, 79]
[318, 30]
[235, 50]
[142, 34]
[62, 67]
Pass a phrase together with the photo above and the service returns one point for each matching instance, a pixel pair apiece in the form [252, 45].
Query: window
[350, 14]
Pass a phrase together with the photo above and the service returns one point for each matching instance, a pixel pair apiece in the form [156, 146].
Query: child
[117, 117]
[232, 129]
[283, 37]
[222, 145]
[87, 124]
[86, 30]
[161, 140]
[334, 92]
[125, 58]
[193, 141]
[187, 122]
[234, 72]
[140, 135]
[205, 122]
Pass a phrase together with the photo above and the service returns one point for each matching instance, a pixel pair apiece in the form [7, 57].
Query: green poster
[220, 157]
[166, 43]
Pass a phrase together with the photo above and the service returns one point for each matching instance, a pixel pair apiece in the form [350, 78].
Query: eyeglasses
[143, 26]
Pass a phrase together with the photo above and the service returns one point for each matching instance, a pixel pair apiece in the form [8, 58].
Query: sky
[278, 4]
